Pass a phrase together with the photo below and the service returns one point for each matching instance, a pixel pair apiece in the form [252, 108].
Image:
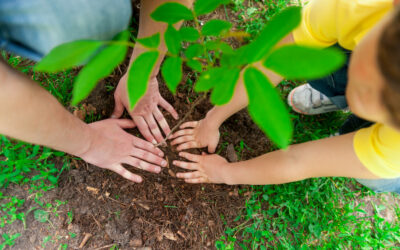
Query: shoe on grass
[306, 100]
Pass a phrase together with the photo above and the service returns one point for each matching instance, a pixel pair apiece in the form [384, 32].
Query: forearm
[148, 27]
[217, 115]
[323, 158]
[29, 113]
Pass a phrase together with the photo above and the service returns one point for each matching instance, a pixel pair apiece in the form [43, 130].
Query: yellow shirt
[327, 22]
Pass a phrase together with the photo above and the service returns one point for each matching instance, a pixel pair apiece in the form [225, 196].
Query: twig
[85, 239]
[198, 100]
[107, 246]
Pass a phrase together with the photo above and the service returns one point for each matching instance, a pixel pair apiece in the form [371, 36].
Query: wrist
[228, 174]
[86, 145]
[212, 119]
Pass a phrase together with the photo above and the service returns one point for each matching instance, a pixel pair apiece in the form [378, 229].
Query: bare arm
[323, 158]
[146, 113]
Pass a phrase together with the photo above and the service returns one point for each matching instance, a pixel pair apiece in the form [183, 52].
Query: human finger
[190, 157]
[190, 175]
[186, 165]
[168, 107]
[161, 121]
[133, 161]
[118, 109]
[187, 145]
[144, 129]
[149, 157]
[145, 145]
[191, 124]
[125, 123]
[126, 174]
[196, 181]
[182, 139]
[154, 127]
[182, 132]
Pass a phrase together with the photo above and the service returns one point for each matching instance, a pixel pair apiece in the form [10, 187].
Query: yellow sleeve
[326, 22]
[378, 149]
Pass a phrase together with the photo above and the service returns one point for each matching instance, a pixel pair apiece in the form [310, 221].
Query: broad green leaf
[189, 34]
[274, 31]
[172, 72]
[99, 67]
[222, 80]
[172, 40]
[202, 7]
[139, 75]
[218, 45]
[195, 65]
[171, 13]
[266, 107]
[41, 215]
[194, 50]
[296, 62]
[68, 55]
[150, 42]
[215, 27]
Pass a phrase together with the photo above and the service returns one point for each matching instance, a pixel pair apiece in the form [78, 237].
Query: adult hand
[196, 134]
[111, 146]
[146, 114]
[206, 168]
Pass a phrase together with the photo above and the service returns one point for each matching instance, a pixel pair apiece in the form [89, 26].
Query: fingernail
[164, 163]
[138, 179]
[158, 170]
[113, 116]
[161, 154]
[154, 141]
[174, 162]
[180, 153]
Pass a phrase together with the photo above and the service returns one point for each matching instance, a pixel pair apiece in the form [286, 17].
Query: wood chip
[92, 190]
[85, 239]
[170, 235]
[181, 234]
[143, 206]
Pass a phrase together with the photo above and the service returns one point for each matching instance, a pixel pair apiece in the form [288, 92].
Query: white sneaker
[306, 100]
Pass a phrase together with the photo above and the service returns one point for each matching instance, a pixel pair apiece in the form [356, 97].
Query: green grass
[30, 166]
[328, 213]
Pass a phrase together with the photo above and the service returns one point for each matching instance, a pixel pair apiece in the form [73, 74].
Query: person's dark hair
[389, 65]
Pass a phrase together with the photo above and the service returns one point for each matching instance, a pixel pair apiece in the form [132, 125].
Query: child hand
[206, 168]
[196, 134]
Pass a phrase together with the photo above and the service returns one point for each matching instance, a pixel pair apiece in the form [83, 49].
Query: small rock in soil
[136, 243]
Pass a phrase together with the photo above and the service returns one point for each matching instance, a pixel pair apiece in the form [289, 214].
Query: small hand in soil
[196, 134]
[206, 168]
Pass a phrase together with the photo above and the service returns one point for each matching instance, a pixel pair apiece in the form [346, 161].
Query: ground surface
[165, 213]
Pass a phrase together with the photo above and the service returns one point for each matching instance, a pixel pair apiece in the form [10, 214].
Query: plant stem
[198, 100]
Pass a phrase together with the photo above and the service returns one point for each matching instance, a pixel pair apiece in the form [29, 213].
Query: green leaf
[219, 45]
[172, 40]
[68, 55]
[150, 42]
[172, 72]
[195, 65]
[139, 75]
[171, 13]
[222, 80]
[215, 27]
[296, 62]
[266, 107]
[202, 7]
[189, 34]
[41, 215]
[52, 179]
[275, 30]
[194, 50]
[99, 67]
